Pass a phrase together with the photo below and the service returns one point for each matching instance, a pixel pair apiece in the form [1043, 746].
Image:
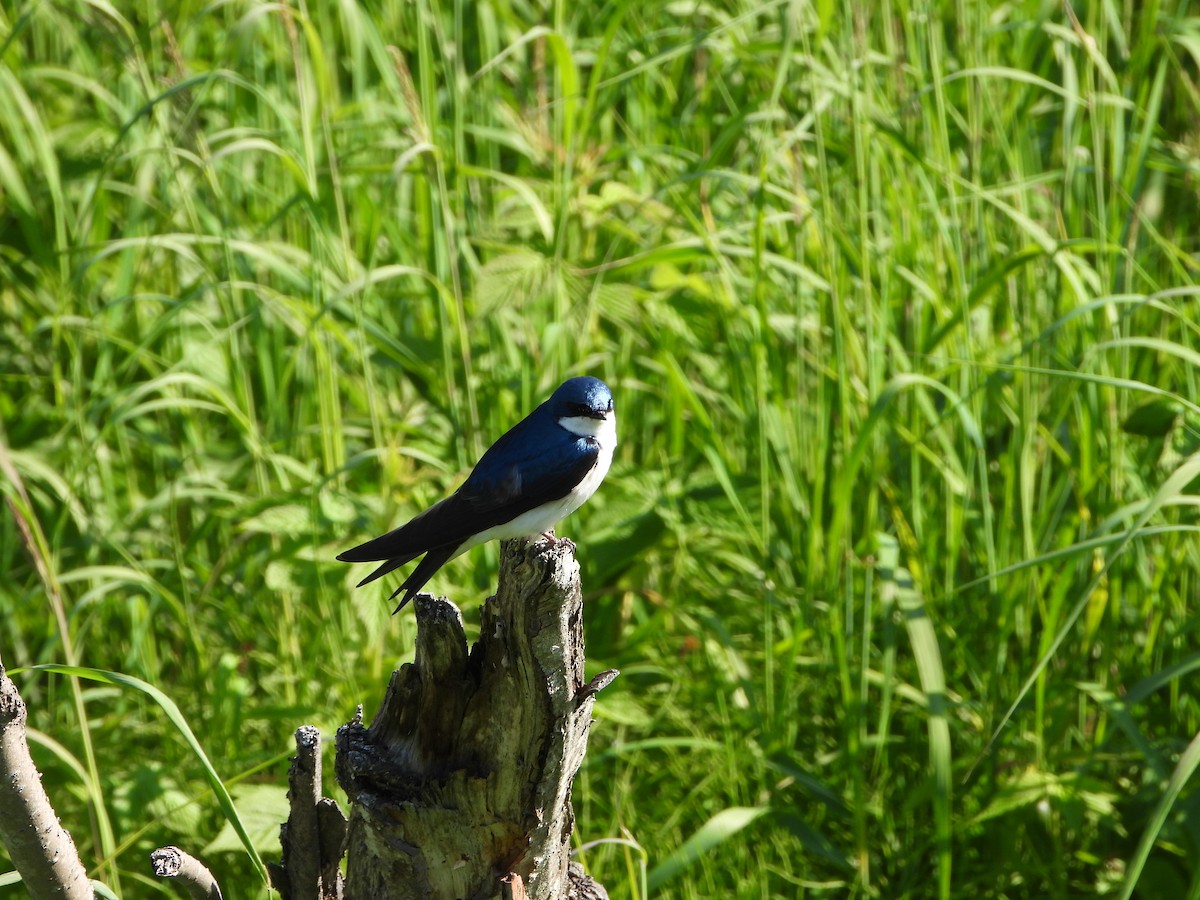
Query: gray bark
[314, 835]
[40, 849]
[461, 786]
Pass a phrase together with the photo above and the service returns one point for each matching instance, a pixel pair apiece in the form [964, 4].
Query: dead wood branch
[171, 862]
[40, 849]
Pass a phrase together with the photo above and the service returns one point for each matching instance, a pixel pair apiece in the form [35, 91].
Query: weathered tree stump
[461, 785]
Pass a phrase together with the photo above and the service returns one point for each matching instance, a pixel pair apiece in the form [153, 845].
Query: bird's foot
[549, 535]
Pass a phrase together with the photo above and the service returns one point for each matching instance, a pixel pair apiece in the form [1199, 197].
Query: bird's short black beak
[591, 412]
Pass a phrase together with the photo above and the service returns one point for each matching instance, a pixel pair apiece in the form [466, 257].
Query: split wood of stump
[314, 836]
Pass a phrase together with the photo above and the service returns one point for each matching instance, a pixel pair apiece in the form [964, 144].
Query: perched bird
[540, 471]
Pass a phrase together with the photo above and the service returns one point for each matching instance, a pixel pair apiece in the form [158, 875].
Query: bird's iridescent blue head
[582, 396]
[584, 406]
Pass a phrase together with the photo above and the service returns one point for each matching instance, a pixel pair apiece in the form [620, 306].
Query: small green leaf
[289, 519]
[278, 576]
[264, 808]
[1155, 418]
[624, 710]
[336, 507]
[715, 831]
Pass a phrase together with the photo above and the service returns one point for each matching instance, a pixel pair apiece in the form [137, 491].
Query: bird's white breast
[605, 432]
[542, 518]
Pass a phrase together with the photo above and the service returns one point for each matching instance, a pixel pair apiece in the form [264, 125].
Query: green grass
[898, 556]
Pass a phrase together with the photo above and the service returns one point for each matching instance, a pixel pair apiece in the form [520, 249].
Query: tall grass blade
[1189, 760]
[1170, 490]
[899, 591]
[176, 718]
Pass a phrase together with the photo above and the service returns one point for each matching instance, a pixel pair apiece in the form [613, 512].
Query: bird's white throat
[603, 430]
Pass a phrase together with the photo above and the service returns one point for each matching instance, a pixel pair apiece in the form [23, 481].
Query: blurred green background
[898, 302]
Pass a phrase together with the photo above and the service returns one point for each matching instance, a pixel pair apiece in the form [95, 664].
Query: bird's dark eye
[581, 409]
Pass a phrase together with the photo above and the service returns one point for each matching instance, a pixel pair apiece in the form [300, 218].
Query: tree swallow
[540, 471]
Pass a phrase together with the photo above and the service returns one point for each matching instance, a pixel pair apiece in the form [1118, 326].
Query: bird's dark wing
[490, 497]
[501, 488]
[497, 491]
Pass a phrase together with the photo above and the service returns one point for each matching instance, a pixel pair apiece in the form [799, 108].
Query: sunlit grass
[898, 308]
